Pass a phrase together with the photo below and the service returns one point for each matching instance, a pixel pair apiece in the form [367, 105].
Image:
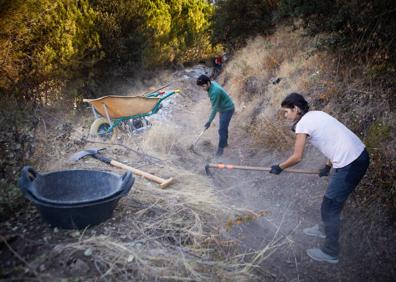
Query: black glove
[276, 169]
[207, 125]
[324, 171]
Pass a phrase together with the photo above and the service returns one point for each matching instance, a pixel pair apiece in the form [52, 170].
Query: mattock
[94, 152]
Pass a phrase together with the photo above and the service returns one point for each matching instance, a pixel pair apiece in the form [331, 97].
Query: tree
[42, 40]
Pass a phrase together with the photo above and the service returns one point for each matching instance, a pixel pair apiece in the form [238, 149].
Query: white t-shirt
[339, 144]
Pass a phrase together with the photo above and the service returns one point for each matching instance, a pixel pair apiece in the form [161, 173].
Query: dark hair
[203, 79]
[295, 99]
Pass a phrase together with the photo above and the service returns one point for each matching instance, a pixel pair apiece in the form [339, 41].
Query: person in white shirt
[345, 152]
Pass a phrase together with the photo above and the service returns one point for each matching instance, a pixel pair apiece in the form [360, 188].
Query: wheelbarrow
[128, 112]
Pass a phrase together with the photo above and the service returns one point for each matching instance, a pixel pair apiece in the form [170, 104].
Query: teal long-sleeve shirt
[220, 100]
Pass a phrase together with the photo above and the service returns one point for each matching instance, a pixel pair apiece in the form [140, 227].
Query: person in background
[222, 103]
[218, 64]
[346, 154]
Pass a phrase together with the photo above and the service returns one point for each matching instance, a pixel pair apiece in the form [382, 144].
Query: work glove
[276, 169]
[324, 171]
[207, 125]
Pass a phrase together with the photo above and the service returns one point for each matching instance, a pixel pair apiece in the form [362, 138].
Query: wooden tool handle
[261, 168]
[166, 183]
[163, 182]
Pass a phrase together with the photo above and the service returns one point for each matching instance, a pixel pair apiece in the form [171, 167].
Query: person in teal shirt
[222, 103]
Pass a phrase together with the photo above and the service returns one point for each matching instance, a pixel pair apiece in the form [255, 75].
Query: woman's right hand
[276, 169]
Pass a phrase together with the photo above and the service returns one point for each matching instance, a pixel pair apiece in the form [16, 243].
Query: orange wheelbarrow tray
[117, 109]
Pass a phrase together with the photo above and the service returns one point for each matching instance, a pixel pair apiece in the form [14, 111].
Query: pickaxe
[257, 168]
[94, 152]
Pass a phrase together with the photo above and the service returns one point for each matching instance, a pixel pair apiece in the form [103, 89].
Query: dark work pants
[225, 118]
[342, 183]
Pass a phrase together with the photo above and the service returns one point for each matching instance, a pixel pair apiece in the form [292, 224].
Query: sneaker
[219, 152]
[319, 255]
[314, 231]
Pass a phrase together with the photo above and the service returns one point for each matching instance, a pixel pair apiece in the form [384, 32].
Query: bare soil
[293, 200]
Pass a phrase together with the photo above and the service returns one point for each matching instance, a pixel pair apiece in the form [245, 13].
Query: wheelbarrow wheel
[99, 130]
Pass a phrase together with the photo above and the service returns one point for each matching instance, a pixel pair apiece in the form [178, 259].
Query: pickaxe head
[207, 171]
[88, 152]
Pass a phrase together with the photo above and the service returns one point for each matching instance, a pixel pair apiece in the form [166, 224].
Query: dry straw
[172, 234]
[177, 234]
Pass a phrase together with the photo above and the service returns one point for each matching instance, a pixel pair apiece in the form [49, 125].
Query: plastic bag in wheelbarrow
[79, 215]
[69, 187]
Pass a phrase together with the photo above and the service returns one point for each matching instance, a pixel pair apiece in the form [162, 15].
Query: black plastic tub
[70, 187]
[77, 215]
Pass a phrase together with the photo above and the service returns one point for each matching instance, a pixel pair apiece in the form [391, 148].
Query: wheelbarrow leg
[107, 114]
[95, 113]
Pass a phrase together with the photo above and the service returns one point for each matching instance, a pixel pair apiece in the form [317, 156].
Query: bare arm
[298, 151]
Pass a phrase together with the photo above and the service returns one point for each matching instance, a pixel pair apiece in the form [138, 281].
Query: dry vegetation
[328, 82]
[349, 91]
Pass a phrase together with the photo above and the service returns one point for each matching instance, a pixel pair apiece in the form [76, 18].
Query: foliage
[17, 144]
[151, 33]
[364, 29]
[11, 199]
[237, 20]
[42, 40]
[50, 41]
[378, 133]
[383, 172]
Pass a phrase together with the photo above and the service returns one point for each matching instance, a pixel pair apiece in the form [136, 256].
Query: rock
[130, 258]
[42, 268]
[88, 252]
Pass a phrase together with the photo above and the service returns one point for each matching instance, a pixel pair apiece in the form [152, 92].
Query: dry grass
[173, 234]
[287, 55]
[162, 139]
[265, 58]
[179, 233]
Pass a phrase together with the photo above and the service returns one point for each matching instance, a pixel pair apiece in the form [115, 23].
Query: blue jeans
[342, 183]
[225, 118]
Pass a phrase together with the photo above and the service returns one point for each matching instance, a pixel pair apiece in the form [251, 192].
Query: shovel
[94, 152]
[256, 168]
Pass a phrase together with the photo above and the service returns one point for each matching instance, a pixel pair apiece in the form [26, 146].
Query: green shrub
[236, 20]
[62, 40]
[364, 29]
[43, 40]
[377, 133]
[11, 199]
[151, 33]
